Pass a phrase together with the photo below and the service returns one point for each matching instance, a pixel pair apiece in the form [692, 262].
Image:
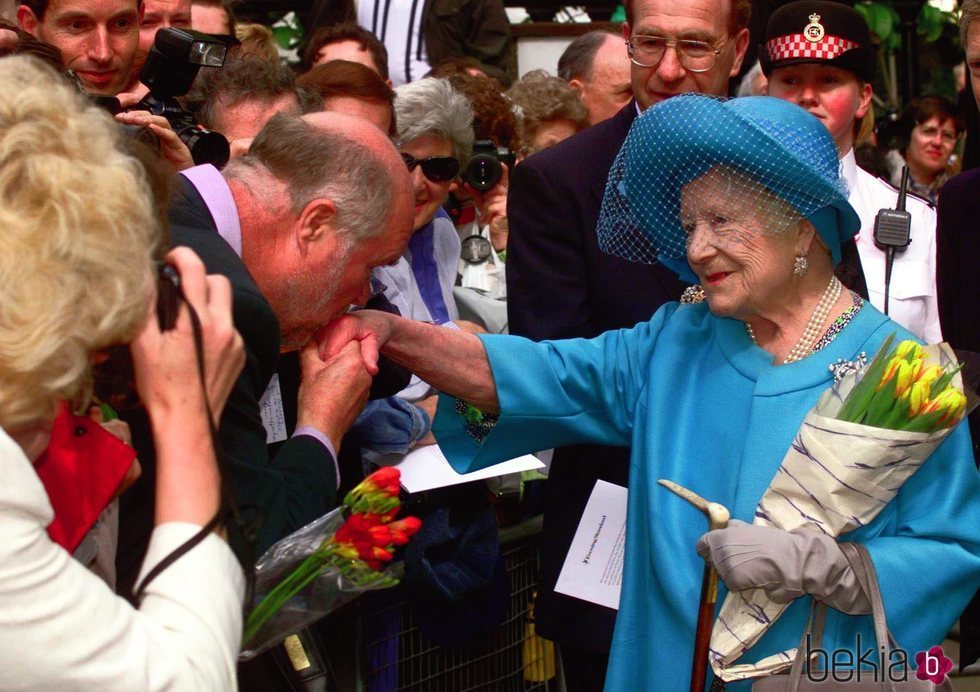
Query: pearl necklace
[812, 330]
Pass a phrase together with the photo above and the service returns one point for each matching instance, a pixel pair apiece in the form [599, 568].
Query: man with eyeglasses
[560, 285]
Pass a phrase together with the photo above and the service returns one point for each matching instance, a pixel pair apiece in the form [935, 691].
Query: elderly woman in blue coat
[745, 197]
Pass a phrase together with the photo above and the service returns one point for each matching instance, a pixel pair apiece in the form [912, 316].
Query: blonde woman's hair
[77, 233]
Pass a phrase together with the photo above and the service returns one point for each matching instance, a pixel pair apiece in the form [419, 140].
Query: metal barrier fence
[511, 658]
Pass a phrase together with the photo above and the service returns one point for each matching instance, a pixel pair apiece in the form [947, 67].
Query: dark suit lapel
[617, 127]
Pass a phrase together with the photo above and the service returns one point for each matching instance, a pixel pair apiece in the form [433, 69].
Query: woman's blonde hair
[77, 234]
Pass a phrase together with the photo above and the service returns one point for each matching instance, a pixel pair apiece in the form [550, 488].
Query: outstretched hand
[367, 327]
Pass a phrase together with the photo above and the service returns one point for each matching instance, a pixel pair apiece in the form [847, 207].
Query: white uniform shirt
[912, 290]
[398, 23]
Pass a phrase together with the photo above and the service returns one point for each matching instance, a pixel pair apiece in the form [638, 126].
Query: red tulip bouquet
[328, 562]
[866, 436]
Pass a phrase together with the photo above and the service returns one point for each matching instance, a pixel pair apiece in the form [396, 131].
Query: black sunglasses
[438, 169]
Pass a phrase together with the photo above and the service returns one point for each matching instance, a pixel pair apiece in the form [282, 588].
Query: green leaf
[880, 20]
[860, 397]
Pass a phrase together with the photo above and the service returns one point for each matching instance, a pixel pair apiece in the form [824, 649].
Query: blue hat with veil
[770, 142]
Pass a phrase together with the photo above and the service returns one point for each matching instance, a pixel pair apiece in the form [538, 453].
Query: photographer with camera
[76, 276]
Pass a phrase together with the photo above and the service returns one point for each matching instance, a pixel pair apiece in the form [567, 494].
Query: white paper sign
[273, 418]
[425, 468]
[593, 569]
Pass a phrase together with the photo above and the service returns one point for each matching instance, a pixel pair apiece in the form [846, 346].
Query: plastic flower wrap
[328, 562]
[866, 436]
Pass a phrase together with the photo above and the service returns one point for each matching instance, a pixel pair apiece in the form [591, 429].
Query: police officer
[819, 56]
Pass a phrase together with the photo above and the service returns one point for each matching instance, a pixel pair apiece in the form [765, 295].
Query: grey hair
[432, 107]
[579, 56]
[313, 162]
[969, 13]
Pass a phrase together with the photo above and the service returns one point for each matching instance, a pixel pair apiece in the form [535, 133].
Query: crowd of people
[399, 243]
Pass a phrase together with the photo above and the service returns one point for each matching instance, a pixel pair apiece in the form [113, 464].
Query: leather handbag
[882, 679]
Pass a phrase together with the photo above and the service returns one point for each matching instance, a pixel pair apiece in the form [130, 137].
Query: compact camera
[168, 295]
[484, 169]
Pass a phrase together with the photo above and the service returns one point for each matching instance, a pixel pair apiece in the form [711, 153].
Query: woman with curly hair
[77, 276]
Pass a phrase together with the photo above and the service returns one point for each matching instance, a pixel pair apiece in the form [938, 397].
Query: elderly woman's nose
[699, 244]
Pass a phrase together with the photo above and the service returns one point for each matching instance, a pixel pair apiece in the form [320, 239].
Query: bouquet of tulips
[328, 562]
[866, 436]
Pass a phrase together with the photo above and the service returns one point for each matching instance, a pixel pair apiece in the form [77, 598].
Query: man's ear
[741, 45]
[578, 85]
[317, 220]
[27, 20]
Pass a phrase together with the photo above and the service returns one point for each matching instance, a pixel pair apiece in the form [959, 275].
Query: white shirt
[398, 23]
[61, 628]
[912, 290]
[402, 290]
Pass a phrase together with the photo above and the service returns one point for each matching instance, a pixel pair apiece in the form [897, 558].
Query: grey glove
[785, 564]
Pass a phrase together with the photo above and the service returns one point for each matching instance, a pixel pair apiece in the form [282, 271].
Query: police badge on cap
[818, 31]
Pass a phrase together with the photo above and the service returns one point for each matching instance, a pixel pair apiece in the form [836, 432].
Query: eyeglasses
[438, 169]
[695, 56]
[930, 131]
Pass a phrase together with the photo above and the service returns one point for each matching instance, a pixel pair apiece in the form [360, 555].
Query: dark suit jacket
[561, 285]
[957, 285]
[282, 493]
[957, 262]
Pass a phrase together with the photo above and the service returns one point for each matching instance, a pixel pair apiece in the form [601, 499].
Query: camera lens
[206, 146]
[483, 172]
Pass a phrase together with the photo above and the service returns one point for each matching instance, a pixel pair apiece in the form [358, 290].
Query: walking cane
[718, 517]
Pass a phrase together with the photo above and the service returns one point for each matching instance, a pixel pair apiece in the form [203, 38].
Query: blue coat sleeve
[556, 393]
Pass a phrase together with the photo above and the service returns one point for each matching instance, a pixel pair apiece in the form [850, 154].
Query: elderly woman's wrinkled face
[741, 242]
[429, 194]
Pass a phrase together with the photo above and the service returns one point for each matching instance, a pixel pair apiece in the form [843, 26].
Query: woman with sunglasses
[435, 135]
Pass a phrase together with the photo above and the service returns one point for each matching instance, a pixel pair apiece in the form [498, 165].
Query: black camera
[171, 66]
[168, 295]
[484, 169]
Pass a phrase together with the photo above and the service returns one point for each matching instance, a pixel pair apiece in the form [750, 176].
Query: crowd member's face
[694, 20]
[210, 19]
[608, 89]
[550, 132]
[376, 112]
[973, 57]
[930, 147]
[742, 258]
[429, 194]
[159, 14]
[345, 50]
[834, 95]
[244, 119]
[97, 39]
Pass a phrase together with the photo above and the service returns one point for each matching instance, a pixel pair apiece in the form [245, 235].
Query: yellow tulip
[903, 377]
[890, 371]
[918, 396]
[951, 402]
[908, 350]
[930, 374]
